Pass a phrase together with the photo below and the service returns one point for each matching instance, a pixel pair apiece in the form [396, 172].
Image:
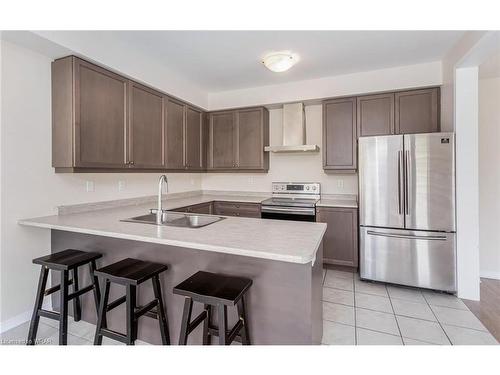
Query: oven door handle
[289, 210]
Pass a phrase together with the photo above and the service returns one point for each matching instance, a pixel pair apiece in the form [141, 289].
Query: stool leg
[131, 320]
[101, 317]
[95, 281]
[35, 318]
[207, 337]
[222, 311]
[63, 307]
[186, 319]
[77, 307]
[245, 336]
[162, 316]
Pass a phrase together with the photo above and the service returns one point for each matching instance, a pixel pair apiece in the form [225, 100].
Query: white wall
[428, 74]
[449, 63]
[288, 166]
[29, 186]
[489, 177]
[116, 55]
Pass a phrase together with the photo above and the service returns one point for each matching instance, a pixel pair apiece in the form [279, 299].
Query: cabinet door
[100, 117]
[222, 140]
[174, 153]
[417, 111]
[375, 115]
[250, 139]
[339, 135]
[194, 139]
[146, 132]
[340, 243]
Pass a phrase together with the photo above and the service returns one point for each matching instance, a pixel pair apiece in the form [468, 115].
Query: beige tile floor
[355, 312]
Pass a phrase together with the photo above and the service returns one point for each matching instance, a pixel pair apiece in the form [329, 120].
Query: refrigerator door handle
[407, 236]
[400, 182]
[407, 183]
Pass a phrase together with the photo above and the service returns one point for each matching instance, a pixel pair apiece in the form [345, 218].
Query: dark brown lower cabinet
[340, 244]
[237, 209]
[202, 208]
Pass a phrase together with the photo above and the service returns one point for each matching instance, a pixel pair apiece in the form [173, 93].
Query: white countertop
[287, 241]
[337, 202]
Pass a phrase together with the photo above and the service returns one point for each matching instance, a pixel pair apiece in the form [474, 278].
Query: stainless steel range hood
[294, 131]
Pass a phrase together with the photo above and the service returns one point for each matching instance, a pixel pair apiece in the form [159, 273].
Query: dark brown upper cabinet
[174, 127]
[237, 139]
[417, 111]
[252, 128]
[102, 121]
[339, 135]
[194, 140]
[89, 113]
[146, 131]
[340, 243]
[222, 142]
[375, 114]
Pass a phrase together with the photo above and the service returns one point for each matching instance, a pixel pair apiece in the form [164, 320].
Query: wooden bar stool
[214, 291]
[130, 273]
[65, 261]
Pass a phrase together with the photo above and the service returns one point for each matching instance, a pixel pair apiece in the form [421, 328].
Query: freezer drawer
[414, 258]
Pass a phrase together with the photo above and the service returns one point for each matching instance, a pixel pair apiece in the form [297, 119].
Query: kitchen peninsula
[283, 258]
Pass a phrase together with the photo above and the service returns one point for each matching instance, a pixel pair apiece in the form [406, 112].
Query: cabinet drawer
[237, 209]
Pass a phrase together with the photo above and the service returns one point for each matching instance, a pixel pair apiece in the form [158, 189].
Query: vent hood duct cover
[294, 131]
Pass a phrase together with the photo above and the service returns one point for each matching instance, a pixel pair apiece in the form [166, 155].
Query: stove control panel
[296, 188]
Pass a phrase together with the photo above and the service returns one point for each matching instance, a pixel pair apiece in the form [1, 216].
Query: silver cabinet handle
[406, 236]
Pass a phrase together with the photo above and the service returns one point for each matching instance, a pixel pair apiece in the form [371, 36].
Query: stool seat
[213, 289]
[67, 259]
[131, 271]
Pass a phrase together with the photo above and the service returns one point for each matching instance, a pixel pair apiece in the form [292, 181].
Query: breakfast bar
[282, 258]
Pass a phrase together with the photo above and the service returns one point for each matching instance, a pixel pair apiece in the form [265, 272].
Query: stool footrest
[113, 335]
[49, 314]
[78, 293]
[55, 288]
[235, 331]
[117, 302]
[213, 331]
[196, 322]
[144, 309]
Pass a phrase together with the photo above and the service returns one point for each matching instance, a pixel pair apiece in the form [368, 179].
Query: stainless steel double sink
[176, 219]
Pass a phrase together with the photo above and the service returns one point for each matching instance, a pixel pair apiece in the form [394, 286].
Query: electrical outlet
[121, 185]
[192, 181]
[340, 184]
[250, 180]
[89, 186]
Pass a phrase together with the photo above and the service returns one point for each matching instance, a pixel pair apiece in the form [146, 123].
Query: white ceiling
[228, 60]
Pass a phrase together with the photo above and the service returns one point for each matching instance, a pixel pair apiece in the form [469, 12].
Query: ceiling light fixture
[280, 61]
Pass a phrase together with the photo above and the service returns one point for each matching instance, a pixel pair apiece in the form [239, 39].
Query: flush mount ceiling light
[280, 61]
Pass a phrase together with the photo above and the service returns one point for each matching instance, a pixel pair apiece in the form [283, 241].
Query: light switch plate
[340, 184]
[121, 185]
[89, 186]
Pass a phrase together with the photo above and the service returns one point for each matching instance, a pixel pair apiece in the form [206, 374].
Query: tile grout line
[440, 325]
[354, 303]
[395, 318]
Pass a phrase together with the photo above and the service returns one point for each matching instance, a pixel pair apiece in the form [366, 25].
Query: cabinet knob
[131, 162]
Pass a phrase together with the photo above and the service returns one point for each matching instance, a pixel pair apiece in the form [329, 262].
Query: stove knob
[307, 187]
[314, 187]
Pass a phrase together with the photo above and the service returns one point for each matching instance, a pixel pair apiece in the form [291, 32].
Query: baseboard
[22, 318]
[490, 275]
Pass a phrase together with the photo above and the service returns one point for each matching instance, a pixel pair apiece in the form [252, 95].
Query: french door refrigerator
[407, 210]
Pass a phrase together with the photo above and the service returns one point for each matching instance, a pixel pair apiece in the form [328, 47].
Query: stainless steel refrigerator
[407, 210]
